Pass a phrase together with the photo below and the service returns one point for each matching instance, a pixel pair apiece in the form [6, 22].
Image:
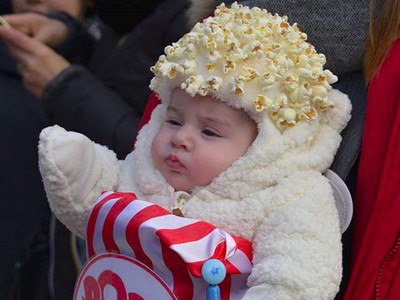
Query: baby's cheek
[211, 168]
[155, 153]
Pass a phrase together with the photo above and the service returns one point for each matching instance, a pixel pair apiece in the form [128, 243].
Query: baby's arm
[297, 249]
[75, 171]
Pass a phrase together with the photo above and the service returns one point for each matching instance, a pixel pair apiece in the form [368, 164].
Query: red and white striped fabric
[173, 247]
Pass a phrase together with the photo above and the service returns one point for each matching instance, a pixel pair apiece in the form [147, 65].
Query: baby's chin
[180, 186]
[181, 183]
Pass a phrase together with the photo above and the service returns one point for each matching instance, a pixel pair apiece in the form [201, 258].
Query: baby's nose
[182, 138]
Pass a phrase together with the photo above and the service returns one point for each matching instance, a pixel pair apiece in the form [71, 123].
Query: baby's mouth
[173, 163]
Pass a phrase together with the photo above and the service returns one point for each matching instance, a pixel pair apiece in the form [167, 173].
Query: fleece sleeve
[75, 171]
[297, 248]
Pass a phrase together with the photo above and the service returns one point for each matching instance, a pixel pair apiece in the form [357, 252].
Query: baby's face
[199, 139]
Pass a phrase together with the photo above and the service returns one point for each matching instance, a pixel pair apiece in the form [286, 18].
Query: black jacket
[108, 109]
[23, 205]
[24, 210]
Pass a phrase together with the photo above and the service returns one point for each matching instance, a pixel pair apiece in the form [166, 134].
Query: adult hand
[49, 31]
[37, 63]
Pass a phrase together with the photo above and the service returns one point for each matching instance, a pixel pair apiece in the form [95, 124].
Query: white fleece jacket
[275, 196]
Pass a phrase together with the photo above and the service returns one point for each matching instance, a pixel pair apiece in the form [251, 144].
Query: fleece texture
[275, 196]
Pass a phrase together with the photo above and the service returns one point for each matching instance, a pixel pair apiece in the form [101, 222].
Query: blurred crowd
[85, 65]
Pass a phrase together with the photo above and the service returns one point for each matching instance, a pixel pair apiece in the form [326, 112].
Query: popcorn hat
[249, 59]
[258, 62]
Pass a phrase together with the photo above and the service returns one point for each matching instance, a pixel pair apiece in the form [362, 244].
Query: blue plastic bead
[213, 271]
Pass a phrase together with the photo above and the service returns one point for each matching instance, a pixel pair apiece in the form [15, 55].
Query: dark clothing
[5, 7]
[78, 35]
[78, 101]
[24, 210]
[87, 43]
[124, 15]
[352, 84]
[108, 109]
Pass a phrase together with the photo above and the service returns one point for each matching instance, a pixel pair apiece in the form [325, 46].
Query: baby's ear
[73, 173]
[337, 117]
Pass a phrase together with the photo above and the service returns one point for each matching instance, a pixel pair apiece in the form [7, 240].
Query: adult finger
[21, 22]
[50, 31]
[25, 50]
[19, 40]
[15, 52]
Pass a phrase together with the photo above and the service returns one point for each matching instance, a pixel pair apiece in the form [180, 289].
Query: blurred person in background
[375, 272]
[106, 106]
[24, 212]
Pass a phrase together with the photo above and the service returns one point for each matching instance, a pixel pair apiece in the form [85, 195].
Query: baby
[247, 124]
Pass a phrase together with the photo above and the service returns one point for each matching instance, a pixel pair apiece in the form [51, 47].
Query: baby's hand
[71, 157]
[71, 166]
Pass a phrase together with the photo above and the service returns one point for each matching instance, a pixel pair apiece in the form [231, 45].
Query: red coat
[376, 239]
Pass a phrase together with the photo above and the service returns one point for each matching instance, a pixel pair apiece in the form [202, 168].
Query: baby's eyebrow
[220, 121]
[172, 108]
[205, 117]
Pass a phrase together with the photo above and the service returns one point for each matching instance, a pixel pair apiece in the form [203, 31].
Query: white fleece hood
[299, 130]
[275, 195]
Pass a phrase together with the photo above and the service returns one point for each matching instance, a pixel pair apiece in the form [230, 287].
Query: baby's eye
[209, 132]
[173, 122]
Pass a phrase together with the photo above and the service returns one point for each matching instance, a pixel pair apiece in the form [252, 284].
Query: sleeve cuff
[65, 75]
